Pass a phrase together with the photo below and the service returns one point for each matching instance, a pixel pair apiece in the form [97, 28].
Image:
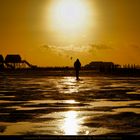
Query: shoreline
[67, 72]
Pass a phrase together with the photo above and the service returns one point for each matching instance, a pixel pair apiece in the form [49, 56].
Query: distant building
[14, 61]
[10, 58]
[1, 59]
[99, 65]
[1, 62]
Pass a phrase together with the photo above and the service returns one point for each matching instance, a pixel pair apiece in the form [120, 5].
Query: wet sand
[61, 105]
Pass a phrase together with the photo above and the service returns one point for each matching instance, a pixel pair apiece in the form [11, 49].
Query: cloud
[100, 47]
[135, 46]
[46, 46]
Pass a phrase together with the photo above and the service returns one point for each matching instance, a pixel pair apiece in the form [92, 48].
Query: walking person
[77, 66]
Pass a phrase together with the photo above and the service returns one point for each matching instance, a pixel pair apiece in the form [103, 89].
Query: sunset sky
[56, 32]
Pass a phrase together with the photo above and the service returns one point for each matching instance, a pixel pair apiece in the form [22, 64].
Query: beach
[57, 104]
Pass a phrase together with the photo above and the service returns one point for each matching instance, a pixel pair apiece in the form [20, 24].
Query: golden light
[71, 124]
[69, 15]
[71, 101]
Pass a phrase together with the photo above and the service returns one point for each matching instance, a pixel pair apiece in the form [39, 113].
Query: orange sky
[107, 30]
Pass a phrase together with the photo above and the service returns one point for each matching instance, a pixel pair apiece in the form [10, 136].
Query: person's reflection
[77, 66]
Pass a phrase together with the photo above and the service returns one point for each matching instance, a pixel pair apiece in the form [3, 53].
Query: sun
[69, 15]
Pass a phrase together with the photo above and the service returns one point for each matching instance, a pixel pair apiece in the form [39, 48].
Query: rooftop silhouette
[14, 61]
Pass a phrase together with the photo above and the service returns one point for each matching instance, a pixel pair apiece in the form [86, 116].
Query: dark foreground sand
[60, 105]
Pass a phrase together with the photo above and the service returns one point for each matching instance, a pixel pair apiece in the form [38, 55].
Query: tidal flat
[38, 104]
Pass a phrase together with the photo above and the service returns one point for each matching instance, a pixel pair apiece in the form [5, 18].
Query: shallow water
[59, 105]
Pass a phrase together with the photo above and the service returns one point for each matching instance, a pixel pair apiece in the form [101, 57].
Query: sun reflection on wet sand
[71, 101]
[68, 85]
[71, 123]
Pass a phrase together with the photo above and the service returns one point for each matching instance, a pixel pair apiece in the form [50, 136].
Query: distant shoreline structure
[14, 63]
[68, 71]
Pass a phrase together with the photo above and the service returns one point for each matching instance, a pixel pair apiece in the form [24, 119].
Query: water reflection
[71, 101]
[71, 123]
[68, 85]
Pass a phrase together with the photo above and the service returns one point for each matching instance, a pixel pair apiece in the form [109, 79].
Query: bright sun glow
[69, 15]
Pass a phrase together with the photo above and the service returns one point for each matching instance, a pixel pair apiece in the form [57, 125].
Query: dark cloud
[135, 46]
[46, 46]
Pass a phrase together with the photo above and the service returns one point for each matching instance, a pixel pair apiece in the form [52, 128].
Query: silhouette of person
[77, 66]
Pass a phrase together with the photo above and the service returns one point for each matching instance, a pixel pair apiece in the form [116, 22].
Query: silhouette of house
[99, 65]
[13, 58]
[1, 58]
[1, 62]
[12, 61]
[15, 61]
